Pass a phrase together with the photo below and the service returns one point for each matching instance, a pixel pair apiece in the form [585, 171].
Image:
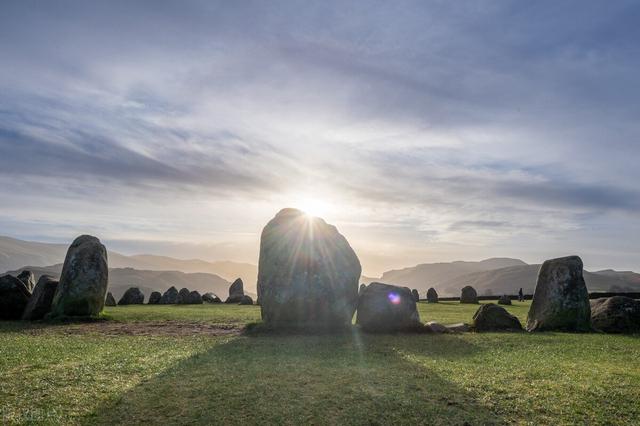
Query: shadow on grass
[319, 379]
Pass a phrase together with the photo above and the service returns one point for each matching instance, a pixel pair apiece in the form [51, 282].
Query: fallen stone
[617, 314]
[491, 317]
[40, 301]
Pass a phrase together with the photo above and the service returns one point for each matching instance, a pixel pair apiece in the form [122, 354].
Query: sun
[312, 206]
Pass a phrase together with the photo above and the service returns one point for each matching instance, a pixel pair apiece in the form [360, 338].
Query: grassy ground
[51, 375]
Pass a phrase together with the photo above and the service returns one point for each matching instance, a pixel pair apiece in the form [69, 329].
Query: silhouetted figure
[520, 295]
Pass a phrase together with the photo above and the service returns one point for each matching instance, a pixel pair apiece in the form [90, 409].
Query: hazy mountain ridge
[16, 254]
[120, 279]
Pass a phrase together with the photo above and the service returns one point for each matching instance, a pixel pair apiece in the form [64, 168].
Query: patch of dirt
[147, 328]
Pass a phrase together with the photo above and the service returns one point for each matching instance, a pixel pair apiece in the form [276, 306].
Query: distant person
[520, 295]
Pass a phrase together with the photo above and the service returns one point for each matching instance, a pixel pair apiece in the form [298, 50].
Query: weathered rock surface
[183, 296]
[154, 298]
[28, 279]
[491, 317]
[617, 314]
[211, 298]
[246, 300]
[387, 308]
[194, 298]
[416, 295]
[436, 327]
[307, 274]
[468, 294]
[14, 297]
[236, 292]
[504, 300]
[39, 304]
[133, 296]
[84, 279]
[459, 327]
[560, 301]
[110, 300]
[432, 295]
[362, 287]
[170, 297]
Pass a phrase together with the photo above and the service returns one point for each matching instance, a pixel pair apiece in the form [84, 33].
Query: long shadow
[321, 379]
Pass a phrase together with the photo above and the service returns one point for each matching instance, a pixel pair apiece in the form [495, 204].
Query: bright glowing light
[394, 298]
[312, 206]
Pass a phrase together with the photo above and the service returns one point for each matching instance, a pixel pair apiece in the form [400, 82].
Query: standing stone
[183, 296]
[617, 314]
[362, 287]
[504, 300]
[154, 298]
[307, 274]
[491, 317]
[28, 279]
[246, 300]
[386, 308]
[468, 294]
[236, 291]
[560, 301]
[194, 298]
[110, 300]
[40, 302]
[432, 295]
[211, 298]
[14, 297]
[133, 296]
[84, 279]
[170, 297]
[416, 295]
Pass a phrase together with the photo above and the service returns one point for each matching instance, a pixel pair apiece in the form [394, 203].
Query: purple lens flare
[394, 298]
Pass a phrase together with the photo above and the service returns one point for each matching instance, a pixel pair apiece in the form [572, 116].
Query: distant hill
[16, 254]
[120, 279]
[427, 275]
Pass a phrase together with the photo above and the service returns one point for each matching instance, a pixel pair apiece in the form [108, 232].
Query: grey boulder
[468, 294]
[170, 297]
[183, 296]
[154, 298]
[39, 304]
[194, 298]
[416, 295]
[109, 300]
[14, 297]
[211, 298]
[236, 292]
[307, 274]
[560, 301]
[387, 308]
[504, 300]
[246, 300]
[84, 279]
[617, 314]
[491, 317]
[432, 295]
[133, 296]
[28, 279]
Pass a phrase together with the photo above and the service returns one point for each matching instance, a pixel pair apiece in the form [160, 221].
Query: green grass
[493, 378]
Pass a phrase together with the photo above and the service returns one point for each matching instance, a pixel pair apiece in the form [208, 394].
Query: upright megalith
[560, 301]
[28, 279]
[468, 294]
[39, 304]
[307, 274]
[133, 296]
[184, 296]
[154, 298]
[236, 291]
[110, 300]
[194, 298]
[416, 295]
[432, 295]
[84, 279]
[14, 297]
[387, 308]
[170, 297]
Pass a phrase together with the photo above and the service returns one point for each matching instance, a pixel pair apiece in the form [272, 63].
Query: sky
[425, 131]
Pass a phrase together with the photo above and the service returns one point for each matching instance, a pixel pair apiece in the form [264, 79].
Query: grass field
[105, 373]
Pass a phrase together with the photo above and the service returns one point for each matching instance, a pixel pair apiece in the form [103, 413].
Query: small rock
[110, 300]
[504, 300]
[491, 317]
[40, 302]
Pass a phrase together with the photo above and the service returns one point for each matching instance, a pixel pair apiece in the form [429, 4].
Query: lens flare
[394, 298]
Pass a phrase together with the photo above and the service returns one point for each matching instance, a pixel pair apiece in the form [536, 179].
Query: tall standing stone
[84, 279]
[468, 294]
[307, 274]
[432, 295]
[236, 291]
[40, 302]
[183, 296]
[170, 297]
[14, 297]
[560, 301]
[416, 295]
[28, 279]
[154, 298]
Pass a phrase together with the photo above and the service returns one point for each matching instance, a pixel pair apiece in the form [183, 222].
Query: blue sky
[426, 131]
